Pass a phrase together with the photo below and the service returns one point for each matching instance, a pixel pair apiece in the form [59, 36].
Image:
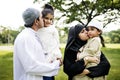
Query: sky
[11, 13]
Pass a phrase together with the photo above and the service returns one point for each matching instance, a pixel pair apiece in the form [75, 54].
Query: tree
[112, 36]
[7, 35]
[84, 11]
[115, 36]
[3, 34]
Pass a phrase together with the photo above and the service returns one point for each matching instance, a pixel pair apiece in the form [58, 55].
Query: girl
[49, 37]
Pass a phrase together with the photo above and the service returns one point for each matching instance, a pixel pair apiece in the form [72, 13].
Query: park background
[70, 13]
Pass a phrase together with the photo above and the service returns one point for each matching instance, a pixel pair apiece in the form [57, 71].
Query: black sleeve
[72, 68]
[101, 69]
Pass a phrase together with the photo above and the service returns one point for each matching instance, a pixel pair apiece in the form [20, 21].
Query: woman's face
[83, 35]
[48, 20]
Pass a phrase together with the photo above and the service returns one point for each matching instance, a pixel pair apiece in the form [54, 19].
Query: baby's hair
[48, 6]
[47, 9]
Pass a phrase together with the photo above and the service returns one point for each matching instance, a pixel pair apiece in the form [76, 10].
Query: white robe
[29, 58]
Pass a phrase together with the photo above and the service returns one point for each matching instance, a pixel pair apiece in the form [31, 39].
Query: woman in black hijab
[74, 43]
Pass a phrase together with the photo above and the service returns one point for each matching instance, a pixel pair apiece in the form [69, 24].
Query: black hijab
[74, 42]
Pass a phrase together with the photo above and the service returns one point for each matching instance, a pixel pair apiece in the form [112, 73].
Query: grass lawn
[6, 65]
[112, 52]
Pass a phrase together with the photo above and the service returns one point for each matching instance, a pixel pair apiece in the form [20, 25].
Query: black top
[72, 68]
[101, 69]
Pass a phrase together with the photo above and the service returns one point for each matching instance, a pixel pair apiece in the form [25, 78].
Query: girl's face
[83, 35]
[48, 20]
[93, 32]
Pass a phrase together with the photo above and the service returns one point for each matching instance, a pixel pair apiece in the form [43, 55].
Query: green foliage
[7, 35]
[81, 10]
[63, 33]
[84, 11]
[112, 36]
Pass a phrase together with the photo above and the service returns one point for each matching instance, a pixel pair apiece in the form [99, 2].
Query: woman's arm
[101, 69]
[71, 67]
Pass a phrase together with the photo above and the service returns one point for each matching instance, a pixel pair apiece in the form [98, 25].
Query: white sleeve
[32, 58]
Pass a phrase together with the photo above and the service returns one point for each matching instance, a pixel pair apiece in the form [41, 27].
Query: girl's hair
[101, 38]
[47, 6]
[47, 9]
[102, 41]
